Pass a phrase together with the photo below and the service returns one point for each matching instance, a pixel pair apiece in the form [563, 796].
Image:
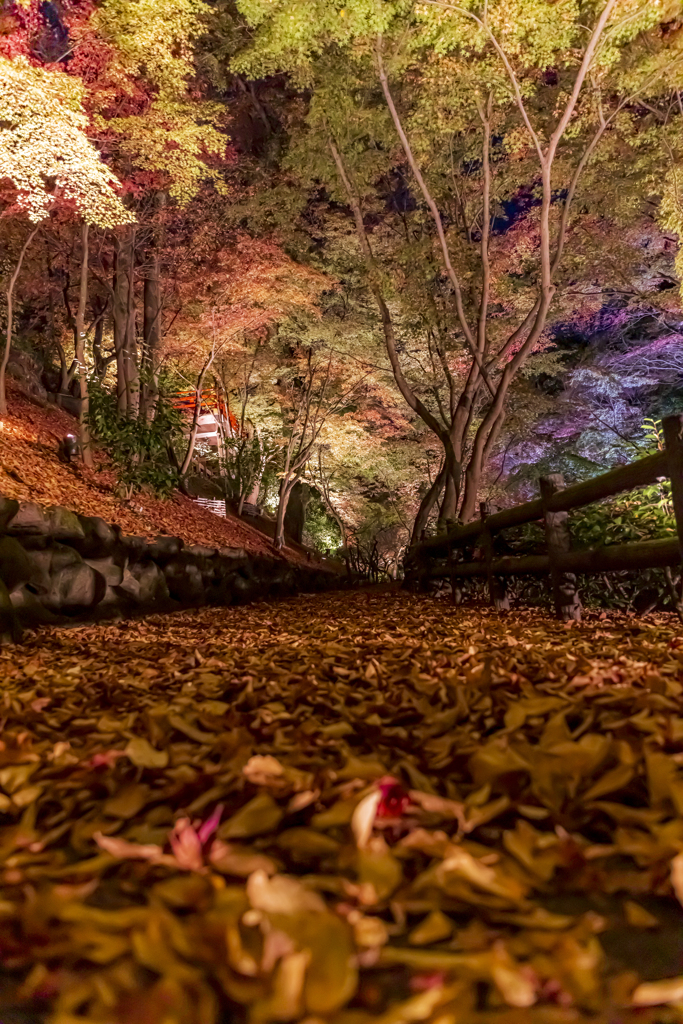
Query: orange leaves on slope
[31, 471]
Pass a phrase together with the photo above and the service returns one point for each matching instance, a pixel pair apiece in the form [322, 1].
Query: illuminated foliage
[489, 132]
[44, 148]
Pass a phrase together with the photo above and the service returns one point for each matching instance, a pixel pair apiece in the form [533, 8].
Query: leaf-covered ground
[367, 807]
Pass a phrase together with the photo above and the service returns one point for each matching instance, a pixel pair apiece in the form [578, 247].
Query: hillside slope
[31, 471]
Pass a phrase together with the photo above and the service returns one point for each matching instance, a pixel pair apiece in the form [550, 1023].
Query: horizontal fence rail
[434, 558]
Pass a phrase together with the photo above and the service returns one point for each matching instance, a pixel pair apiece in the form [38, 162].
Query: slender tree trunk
[132, 370]
[120, 318]
[343, 533]
[99, 360]
[195, 418]
[10, 324]
[286, 487]
[152, 303]
[426, 506]
[66, 373]
[64, 379]
[83, 415]
[449, 505]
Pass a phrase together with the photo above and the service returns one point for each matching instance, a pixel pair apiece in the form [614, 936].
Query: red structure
[214, 414]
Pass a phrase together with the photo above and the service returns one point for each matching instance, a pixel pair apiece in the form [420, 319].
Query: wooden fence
[435, 559]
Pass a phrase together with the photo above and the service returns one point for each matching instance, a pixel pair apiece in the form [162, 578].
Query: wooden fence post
[673, 439]
[559, 542]
[498, 596]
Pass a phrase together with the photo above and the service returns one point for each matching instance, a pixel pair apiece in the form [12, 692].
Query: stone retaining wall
[58, 567]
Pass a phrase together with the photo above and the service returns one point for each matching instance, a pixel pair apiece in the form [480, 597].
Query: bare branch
[411, 398]
[436, 216]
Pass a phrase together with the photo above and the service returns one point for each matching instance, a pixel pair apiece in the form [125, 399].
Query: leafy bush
[139, 450]
[321, 531]
[643, 514]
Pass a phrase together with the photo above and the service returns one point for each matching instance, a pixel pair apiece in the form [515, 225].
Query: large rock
[231, 556]
[8, 509]
[33, 521]
[63, 556]
[40, 561]
[29, 521]
[143, 584]
[30, 608]
[75, 588]
[66, 402]
[152, 586]
[10, 630]
[135, 547]
[15, 566]
[243, 588]
[163, 548]
[47, 562]
[184, 581]
[199, 551]
[128, 589]
[64, 525]
[26, 371]
[99, 538]
[108, 568]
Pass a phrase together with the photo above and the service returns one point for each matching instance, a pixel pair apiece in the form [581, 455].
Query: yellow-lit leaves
[341, 802]
[144, 755]
[44, 149]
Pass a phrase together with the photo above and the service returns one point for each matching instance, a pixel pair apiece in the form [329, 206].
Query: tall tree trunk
[449, 505]
[152, 303]
[83, 425]
[10, 324]
[426, 506]
[100, 361]
[65, 375]
[286, 486]
[197, 411]
[132, 369]
[120, 317]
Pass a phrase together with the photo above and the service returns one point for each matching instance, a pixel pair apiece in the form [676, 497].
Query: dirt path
[366, 807]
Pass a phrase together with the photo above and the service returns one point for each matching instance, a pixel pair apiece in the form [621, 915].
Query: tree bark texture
[152, 303]
[123, 316]
[10, 322]
[84, 411]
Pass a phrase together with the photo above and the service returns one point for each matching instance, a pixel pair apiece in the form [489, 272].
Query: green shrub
[321, 531]
[138, 450]
[639, 515]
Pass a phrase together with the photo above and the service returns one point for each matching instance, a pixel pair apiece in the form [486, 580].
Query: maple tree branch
[485, 116]
[10, 313]
[545, 158]
[514, 81]
[436, 216]
[449, 377]
[409, 395]
[197, 409]
[327, 497]
[84, 427]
